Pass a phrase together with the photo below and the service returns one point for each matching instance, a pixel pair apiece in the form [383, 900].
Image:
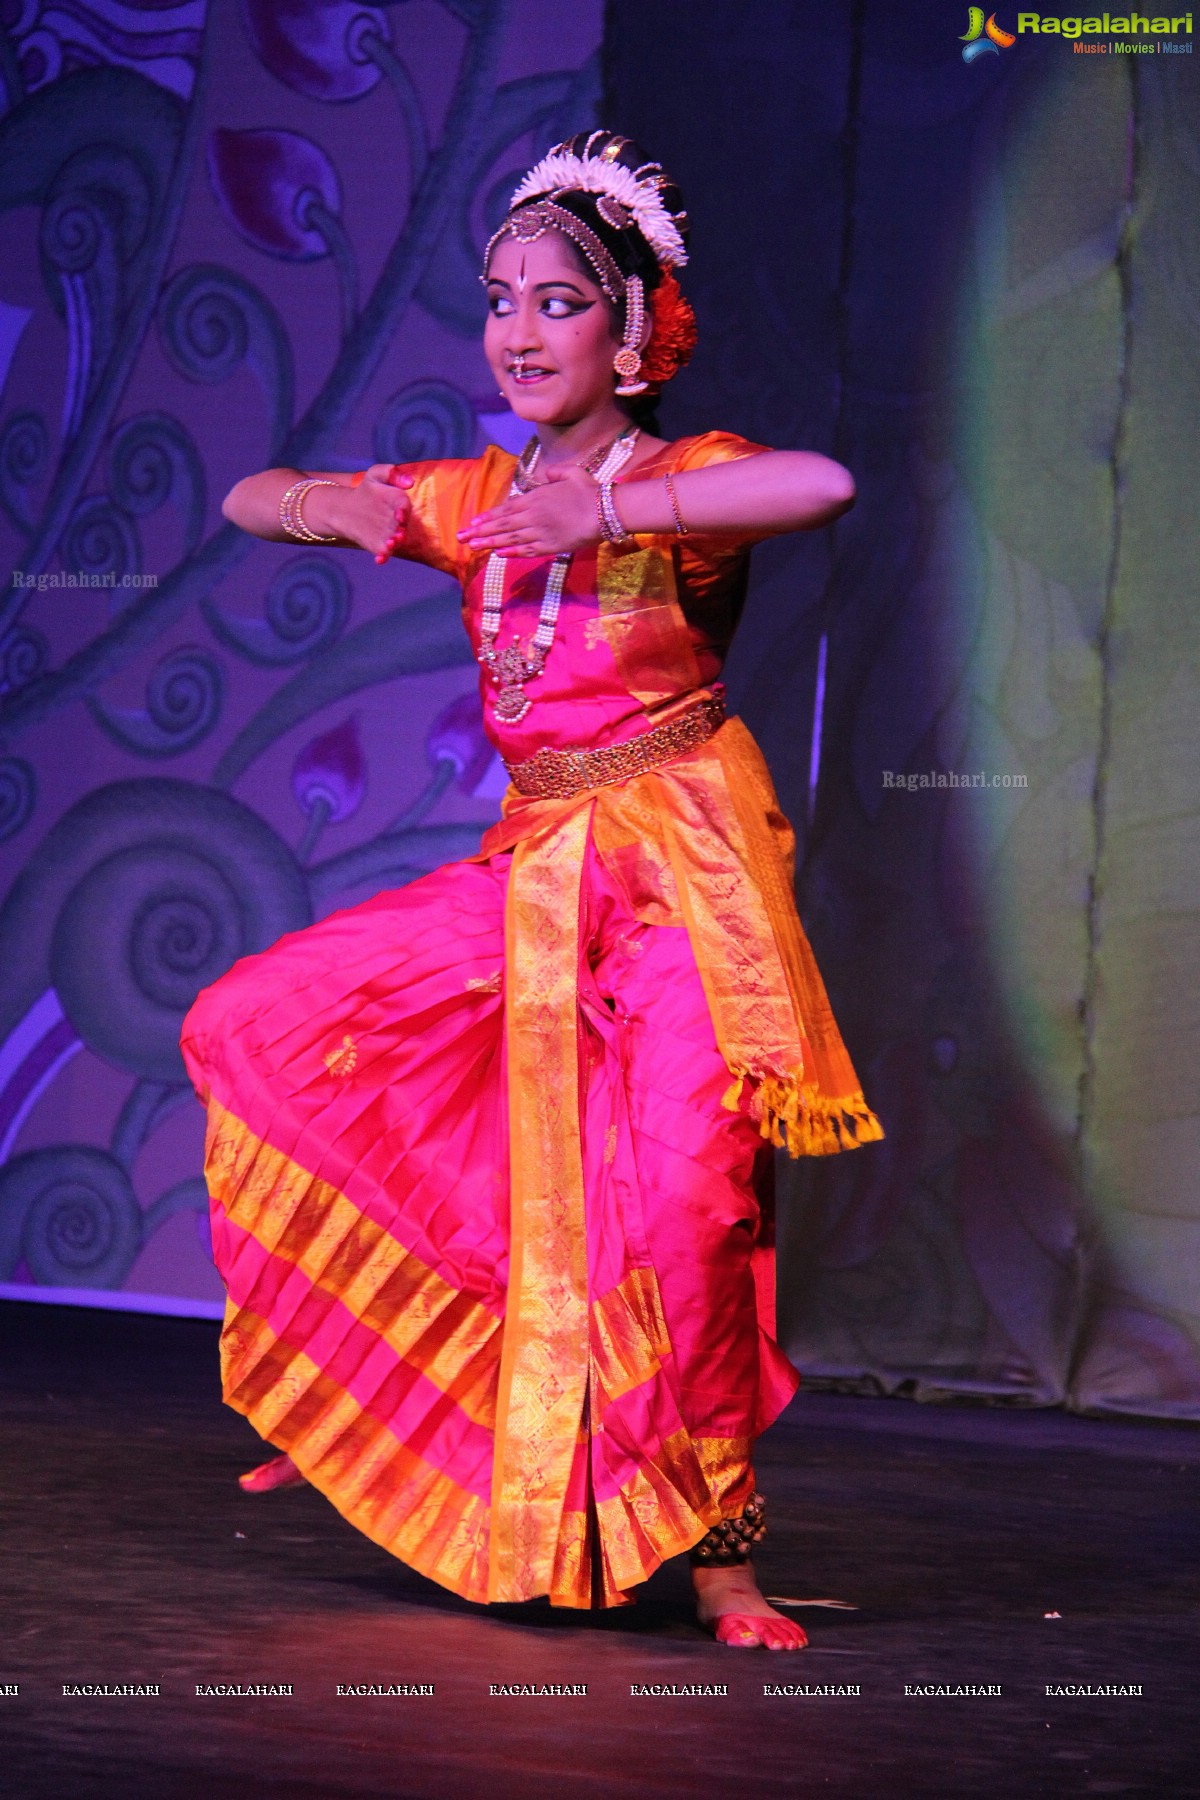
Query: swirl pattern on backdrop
[24, 460]
[183, 703]
[101, 541]
[142, 894]
[306, 607]
[152, 460]
[23, 654]
[70, 1214]
[211, 322]
[426, 419]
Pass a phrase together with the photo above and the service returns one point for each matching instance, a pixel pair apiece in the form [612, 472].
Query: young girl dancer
[486, 1151]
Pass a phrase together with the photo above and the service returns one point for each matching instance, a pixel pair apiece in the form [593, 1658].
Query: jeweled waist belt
[561, 774]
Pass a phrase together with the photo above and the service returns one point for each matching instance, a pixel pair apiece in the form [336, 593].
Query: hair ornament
[532, 222]
[672, 334]
[562, 171]
[614, 212]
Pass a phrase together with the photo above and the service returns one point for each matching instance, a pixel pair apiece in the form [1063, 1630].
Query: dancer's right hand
[372, 513]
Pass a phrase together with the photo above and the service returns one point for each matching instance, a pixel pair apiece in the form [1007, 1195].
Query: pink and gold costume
[483, 1150]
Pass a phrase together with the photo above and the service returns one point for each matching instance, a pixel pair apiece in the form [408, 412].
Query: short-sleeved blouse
[640, 626]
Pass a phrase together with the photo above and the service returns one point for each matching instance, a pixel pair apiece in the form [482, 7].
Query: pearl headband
[532, 221]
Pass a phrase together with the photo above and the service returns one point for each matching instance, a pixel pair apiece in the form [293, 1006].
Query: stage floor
[131, 1556]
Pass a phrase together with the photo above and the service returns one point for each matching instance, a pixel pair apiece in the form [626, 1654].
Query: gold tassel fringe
[797, 1117]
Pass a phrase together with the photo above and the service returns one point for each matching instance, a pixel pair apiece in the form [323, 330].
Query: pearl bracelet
[291, 516]
[611, 528]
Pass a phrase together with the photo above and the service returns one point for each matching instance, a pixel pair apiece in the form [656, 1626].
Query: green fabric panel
[1142, 1103]
[1039, 425]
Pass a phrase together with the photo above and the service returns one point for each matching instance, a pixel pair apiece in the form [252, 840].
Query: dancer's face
[543, 308]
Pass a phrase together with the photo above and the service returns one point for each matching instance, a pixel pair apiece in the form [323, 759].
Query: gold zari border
[544, 1365]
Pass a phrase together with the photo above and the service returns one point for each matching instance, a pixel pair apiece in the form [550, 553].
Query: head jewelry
[640, 225]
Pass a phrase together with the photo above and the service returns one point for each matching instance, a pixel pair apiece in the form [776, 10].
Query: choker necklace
[531, 455]
[511, 667]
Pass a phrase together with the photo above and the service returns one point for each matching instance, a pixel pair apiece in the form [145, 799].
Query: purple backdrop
[232, 235]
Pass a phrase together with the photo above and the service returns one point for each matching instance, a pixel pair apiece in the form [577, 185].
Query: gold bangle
[291, 517]
[681, 529]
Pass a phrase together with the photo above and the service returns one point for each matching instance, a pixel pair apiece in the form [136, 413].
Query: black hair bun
[609, 220]
[629, 155]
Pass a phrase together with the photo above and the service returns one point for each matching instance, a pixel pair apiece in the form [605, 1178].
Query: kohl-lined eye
[499, 305]
[556, 306]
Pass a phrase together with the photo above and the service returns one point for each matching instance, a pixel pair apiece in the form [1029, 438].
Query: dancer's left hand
[558, 515]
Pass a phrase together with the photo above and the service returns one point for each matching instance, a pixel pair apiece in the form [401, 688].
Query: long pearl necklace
[511, 667]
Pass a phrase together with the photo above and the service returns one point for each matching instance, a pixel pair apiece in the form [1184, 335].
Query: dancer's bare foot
[281, 1471]
[728, 1603]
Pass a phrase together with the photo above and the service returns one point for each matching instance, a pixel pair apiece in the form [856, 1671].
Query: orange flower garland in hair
[672, 333]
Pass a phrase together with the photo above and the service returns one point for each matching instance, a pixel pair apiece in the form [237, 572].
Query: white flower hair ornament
[634, 190]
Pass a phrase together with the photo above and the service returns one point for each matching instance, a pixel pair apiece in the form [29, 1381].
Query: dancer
[489, 1153]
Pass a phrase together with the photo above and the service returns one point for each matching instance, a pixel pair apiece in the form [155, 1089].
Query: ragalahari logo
[984, 38]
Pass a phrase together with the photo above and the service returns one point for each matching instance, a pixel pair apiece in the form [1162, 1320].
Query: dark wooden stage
[131, 1556]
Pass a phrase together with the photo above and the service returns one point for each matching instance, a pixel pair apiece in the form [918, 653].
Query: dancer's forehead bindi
[547, 261]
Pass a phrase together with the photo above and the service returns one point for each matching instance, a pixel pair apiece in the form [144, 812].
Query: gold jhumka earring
[628, 359]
